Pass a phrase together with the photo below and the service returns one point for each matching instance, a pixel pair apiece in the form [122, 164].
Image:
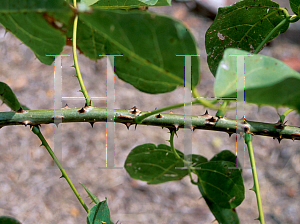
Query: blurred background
[30, 187]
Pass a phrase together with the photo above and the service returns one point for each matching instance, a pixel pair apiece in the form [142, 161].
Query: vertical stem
[37, 131]
[248, 141]
[88, 100]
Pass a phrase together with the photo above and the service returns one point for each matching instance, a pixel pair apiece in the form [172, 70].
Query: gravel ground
[30, 188]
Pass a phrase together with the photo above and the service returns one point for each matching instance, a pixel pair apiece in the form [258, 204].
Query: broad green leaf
[94, 198]
[198, 159]
[268, 81]
[222, 215]
[99, 214]
[221, 185]
[37, 23]
[8, 97]
[226, 155]
[8, 220]
[295, 6]
[89, 41]
[243, 25]
[149, 44]
[154, 164]
[116, 4]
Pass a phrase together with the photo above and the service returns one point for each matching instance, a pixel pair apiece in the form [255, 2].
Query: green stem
[37, 131]
[172, 133]
[283, 116]
[248, 141]
[204, 102]
[221, 112]
[88, 100]
[294, 18]
[270, 34]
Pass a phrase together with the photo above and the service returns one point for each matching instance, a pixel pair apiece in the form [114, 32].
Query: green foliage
[243, 25]
[151, 66]
[154, 164]
[295, 6]
[99, 214]
[8, 220]
[268, 81]
[94, 198]
[33, 22]
[8, 97]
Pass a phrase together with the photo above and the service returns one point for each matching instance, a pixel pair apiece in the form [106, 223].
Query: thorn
[158, 116]
[80, 90]
[72, 66]
[134, 111]
[66, 107]
[92, 124]
[176, 126]
[162, 127]
[41, 145]
[205, 114]
[62, 176]
[171, 112]
[127, 125]
[229, 134]
[56, 124]
[135, 126]
[279, 139]
[193, 128]
[26, 123]
[155, 108]
[82, 110]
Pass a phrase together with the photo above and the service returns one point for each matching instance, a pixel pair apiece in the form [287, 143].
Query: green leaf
[8, 97]
[99, 214]
[151, 66]
[94, 198]
[268, 81]
[295, 6]
[243, 25]
[89, 2]
[27, 20]
[149, 2]
[221, 185]
[226, 155]
[8, 220]
[89, 41]
[154, 164]
[198, 159]
[116, 4]
[222, 215]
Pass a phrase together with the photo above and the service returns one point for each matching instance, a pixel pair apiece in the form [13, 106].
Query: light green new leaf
[221, 185]
[149, 44]
[154, 164]
[128, 4]
[295, 6]
[243, 25]
[268, 81]
[99, 214]
[8, 97]
[27, 20]
[94, 198]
